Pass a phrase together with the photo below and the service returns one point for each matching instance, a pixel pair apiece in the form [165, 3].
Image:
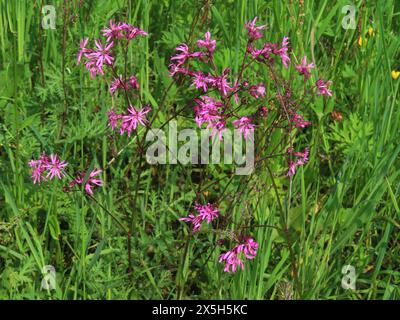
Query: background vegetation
[344, 202]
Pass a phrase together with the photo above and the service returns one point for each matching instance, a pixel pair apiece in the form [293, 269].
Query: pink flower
[55, 167]
[134, 82]
[121, 30]
[206, 212]
[37, 170]
[91, 66]
[304, 68]
[118, 83]
[195, 220]
[265, 53]
[323, 87]
[83, 50]
[254, 52]
[90, 182]
[232, 261]
[174, 69]
[131, 120]
[114, 32]
[302, 158]
[218, 128]
[97, 58]
[102, 54]
[200, 80]
[248, 249]
[52, 165]
[207, 43]
[292, 169]
[184, 54]
[257, 91]
[132, 32]
[263, 111]
[282, 52]
[244, 126]
[299, 121]
[221, 82]
[38, 167]
[207, 110]
[113, 119]
[254, 31]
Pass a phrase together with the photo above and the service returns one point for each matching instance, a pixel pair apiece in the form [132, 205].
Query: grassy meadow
[126, 241]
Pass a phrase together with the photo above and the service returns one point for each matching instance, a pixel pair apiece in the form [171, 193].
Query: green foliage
[351, 134]
[342, 207]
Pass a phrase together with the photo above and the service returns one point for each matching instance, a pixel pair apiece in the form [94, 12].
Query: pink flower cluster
[97, 58]
[101, 55]
[299, 122]
[268, 50]
[322, 87]
[122, 30]
[53, 166]
[244, 126]
[320, 84]
[119, 83]
[211, 110]
[254, 30]
[206, 212]
[233, 258]
[215, 108]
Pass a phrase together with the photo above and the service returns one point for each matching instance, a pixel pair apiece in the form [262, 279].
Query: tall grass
[342, 208]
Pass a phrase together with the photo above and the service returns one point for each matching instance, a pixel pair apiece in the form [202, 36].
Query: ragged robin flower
[233, 258]
[207, 212]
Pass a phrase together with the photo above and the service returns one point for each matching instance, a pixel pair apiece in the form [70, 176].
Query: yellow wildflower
[362, 41]
[371, 31]
[395, 74]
